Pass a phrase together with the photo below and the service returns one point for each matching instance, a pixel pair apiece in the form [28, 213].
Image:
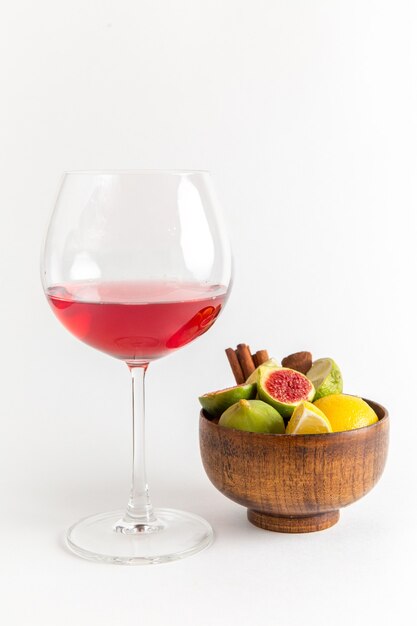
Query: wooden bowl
[294, 483]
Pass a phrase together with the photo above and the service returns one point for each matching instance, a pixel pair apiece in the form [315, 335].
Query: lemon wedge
[308, 419]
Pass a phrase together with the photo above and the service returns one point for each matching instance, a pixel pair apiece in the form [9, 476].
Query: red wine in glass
[137, 320]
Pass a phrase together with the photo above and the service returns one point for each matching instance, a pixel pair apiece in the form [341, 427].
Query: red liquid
[137, 320]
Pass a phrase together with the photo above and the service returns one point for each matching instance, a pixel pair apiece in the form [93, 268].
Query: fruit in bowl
[332, 452]
[254, 416]
[284, 388]
[290, 392]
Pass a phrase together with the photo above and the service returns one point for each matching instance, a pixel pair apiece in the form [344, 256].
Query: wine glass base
[179, 534]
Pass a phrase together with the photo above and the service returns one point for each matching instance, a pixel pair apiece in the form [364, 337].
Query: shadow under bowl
[294, 483]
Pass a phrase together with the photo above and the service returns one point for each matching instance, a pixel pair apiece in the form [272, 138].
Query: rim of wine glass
[138, 171]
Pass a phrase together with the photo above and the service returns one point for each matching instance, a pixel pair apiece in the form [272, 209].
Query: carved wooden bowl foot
[292, 523]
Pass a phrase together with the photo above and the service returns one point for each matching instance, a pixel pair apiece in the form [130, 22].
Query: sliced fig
[253, 378]
[216, 402]
[253, 416]
[284, 388]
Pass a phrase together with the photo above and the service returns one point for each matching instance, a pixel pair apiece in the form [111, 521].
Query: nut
[299, 361]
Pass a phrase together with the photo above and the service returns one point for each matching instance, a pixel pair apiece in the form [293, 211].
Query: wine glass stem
[139, 508]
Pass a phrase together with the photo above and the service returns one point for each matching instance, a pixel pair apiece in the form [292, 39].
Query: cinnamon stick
[235, 365]
[261, 357]
[245, 359]
[255, 360]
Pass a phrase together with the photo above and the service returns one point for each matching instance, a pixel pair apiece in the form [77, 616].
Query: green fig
[284, 388]
[254, 416]
[216, 402]
[253, 378]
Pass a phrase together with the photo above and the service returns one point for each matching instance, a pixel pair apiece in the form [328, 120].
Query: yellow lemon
[307, 419]
[346, 412]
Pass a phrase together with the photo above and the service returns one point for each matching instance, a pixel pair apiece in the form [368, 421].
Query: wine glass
[137, 264]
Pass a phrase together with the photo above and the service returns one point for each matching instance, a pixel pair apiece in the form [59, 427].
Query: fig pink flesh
[287, 386]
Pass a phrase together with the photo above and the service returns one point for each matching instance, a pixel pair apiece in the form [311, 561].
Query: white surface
[306, 114]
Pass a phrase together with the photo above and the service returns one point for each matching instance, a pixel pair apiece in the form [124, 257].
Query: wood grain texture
[295, 483]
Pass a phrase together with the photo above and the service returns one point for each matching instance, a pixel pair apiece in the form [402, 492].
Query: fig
[216, 402]
[284, 388]
[253, 378]
[253, 416]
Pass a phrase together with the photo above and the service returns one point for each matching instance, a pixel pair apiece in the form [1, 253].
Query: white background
[305, 112]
